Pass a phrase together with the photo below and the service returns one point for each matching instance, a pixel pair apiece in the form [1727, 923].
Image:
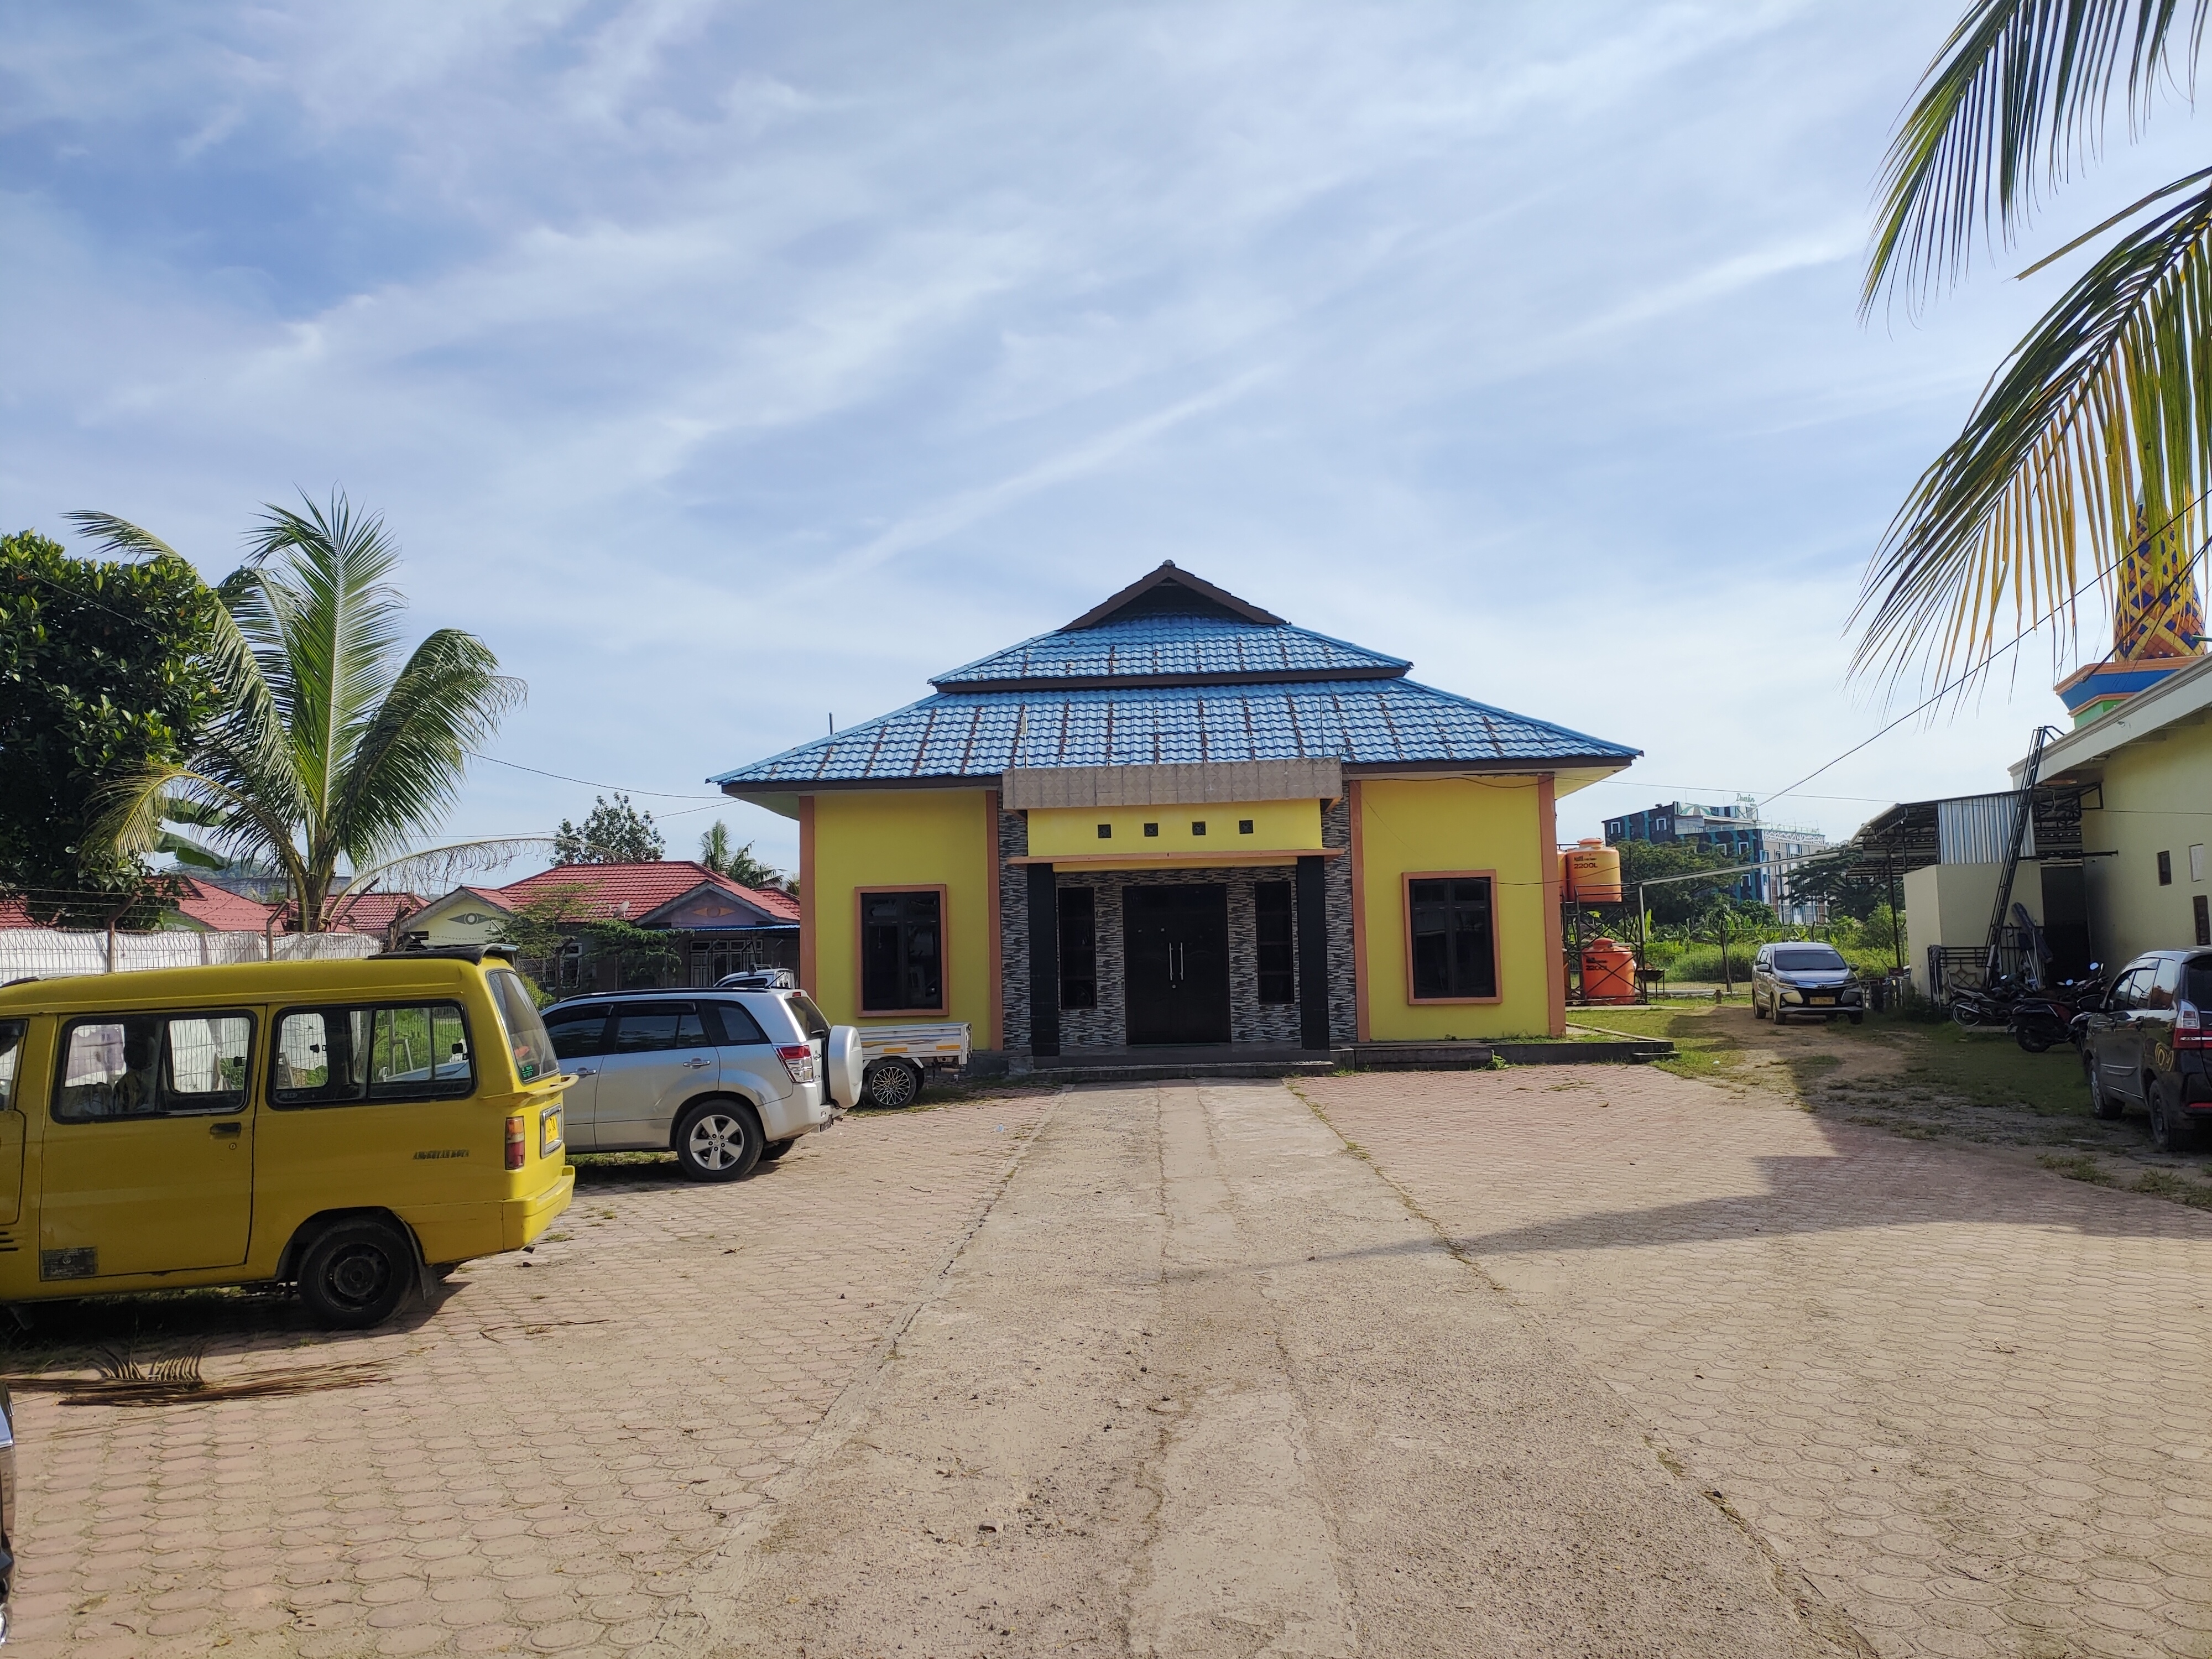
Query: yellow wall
[1456, 824]
[1276, 826]
[871, 838]
[2157, 798]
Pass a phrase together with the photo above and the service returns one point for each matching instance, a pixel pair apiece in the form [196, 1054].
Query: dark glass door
[1175, 957]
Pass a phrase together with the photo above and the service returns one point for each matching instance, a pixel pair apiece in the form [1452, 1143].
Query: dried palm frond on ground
[175, 1379]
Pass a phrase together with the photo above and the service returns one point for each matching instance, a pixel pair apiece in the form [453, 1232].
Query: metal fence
[50, 953]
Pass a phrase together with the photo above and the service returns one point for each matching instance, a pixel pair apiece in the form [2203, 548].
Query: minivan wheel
[355, 1275]
[718, 1141]
[891, 1084]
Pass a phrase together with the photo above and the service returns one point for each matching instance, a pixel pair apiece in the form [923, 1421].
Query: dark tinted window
[654, 1028]
[1272, 918]
[1079, 947]
[2128, 990]
[343, 1056]
[811, 1019]
[1454, 953]
[738, 1027]
[901, 952]
[2166, 985]
[578, 1033]
[152, 1066]
[2200, 984]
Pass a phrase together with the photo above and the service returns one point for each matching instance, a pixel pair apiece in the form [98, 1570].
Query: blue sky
[730, 367]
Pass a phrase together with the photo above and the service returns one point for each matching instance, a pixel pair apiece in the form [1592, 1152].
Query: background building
[1740, 832]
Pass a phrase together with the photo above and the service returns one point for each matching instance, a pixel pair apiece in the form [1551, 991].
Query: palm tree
[331, 749]
[2098, 428]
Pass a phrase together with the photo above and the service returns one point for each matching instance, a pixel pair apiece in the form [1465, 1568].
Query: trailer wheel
[891, 1084]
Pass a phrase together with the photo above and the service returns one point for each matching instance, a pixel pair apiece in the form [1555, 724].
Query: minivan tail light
[797, 1059]
[2189, 1030]
[518, 1149]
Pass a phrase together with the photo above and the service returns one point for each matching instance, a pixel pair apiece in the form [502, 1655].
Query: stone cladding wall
[1250, 1020]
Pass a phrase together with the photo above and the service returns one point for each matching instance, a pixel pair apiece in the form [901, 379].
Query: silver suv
[1804, 976]
[722, 1078]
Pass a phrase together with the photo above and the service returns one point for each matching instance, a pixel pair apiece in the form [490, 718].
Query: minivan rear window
[345, 1056]
[525, 1032]
[2200, 984]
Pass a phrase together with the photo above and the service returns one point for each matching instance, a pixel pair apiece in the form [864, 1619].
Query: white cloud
[728, 365]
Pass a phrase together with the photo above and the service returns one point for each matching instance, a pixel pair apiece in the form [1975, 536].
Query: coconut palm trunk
[338, 750]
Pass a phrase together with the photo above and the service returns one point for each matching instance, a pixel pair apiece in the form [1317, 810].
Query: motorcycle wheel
[1963, 1014]
[2035, 1042]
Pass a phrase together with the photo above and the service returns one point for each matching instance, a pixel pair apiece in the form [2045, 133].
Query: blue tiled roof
[965, 734]
[1190, 649]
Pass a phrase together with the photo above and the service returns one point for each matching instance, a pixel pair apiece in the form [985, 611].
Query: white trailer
[896, 1057]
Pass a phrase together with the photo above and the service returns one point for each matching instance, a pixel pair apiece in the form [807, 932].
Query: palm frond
[2017, 95]
[406, 768]
[325, 621]
[2100, 417]
[129, 814]
[441, 866]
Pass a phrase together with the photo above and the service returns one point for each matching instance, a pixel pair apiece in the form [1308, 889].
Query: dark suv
[2149, 1045]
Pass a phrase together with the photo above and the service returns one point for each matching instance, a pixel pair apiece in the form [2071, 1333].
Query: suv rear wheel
[718, 1141]
[2170, 1130]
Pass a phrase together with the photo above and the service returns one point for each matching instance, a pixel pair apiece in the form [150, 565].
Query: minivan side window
[351, 1056]
[137, 1065]
[11, 1055]
[2128, 990]
[2168, 983]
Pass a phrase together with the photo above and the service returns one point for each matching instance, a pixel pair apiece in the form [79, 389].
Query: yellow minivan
[352, 1128]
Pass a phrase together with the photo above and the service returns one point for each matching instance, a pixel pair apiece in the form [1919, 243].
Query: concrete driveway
[1527, 1362]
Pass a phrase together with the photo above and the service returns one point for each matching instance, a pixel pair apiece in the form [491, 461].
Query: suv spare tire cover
[845, 1064]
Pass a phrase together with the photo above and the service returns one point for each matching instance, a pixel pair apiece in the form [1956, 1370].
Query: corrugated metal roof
[1186, 648]
[1362, 722]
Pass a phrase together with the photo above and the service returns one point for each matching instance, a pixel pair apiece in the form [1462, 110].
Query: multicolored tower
[2158, 627]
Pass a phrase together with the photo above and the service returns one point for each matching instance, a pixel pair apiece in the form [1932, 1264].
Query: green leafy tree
[738, 864]
[1847, 884]
[612, 833]
[105, 670]
[542, 925]
[1679, 904]
[2098, 428]
[335, 746]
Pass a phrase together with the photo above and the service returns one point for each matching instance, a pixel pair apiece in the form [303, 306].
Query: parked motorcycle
[2042, 1019]
[1980, 1007]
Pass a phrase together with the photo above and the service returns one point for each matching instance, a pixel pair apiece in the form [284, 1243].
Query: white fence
[47, 952]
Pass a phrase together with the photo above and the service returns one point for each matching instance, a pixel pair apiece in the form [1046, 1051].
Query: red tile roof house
[720, 926]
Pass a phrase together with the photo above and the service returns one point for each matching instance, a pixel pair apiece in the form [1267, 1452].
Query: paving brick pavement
[1971, 1401]
[551, 1449]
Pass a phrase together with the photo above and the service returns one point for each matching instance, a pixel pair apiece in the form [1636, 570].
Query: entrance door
[148, 1160]
[1175, 957]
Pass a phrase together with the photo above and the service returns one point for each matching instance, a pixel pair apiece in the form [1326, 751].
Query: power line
[1968, 673]
[562, 777]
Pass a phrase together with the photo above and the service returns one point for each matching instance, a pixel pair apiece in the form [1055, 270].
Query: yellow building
[2142, 769]
[1180, 821]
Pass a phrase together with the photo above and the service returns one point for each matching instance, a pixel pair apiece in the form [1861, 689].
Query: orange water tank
[1608, 971]
[1594, 873]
